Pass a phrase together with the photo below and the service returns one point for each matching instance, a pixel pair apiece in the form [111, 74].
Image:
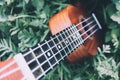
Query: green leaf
[27, 1]
[9, 1]
[35, 23]
[111, 9]
[116, 17]
[38, 4]
[116, 31]
[7, 47]
[107, 37]
[112, 25]
[117, 5]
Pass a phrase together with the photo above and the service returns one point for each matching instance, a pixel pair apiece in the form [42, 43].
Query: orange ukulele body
[65, 18]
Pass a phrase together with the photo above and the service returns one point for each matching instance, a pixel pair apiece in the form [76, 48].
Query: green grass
[24, 23]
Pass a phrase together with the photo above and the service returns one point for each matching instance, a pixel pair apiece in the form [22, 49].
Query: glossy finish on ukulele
[67, 17]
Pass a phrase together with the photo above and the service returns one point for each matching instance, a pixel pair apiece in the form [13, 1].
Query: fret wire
[52, 54]
[79, 39]
[66, 29]
[39, 65]
[67, 41]
[75, 42]
[44, 53]
[72, 28]
[74, 35]
[57, 52]
[52, 51]
[60, 44]
[69, 38]
[76, 38]
[76, 30]
[64, 43]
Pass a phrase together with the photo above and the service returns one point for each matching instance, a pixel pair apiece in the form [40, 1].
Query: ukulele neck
[40, 59]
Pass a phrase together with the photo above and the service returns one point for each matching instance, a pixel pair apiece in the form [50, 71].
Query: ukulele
[74, 37]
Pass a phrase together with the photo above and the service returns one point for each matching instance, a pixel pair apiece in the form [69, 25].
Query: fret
[70, 40]
[49, 55]
[65, 50]
[74, 38]
[78, 35]
[48, 65]
[64, 46]
[59, 47]
[35, 62]
[79, 40]
[53, 51]
[35, 66]
[66, 42]
[72, 35]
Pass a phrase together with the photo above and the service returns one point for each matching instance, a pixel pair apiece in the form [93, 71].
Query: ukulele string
[83, 21]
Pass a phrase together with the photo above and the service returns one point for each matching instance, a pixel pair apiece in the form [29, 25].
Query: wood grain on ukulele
[12, 70]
